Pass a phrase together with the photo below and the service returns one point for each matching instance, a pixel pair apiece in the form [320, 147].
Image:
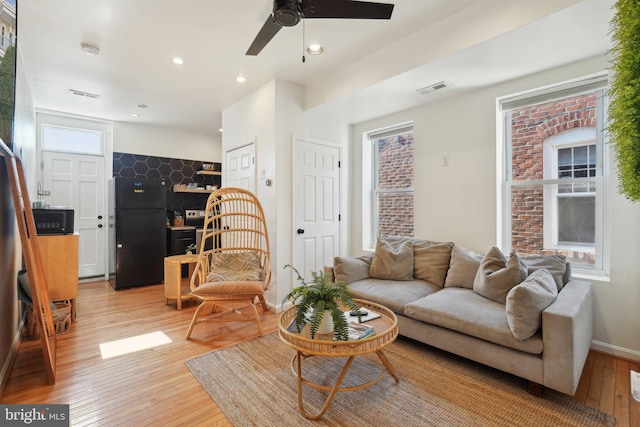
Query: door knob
[99, 216]
[99, 225]
[300, 231]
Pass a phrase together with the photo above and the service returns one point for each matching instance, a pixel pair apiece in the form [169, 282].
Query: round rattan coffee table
[386, 331]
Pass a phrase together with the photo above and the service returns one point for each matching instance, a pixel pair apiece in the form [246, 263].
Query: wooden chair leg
[255, 312]
[263, 303]
[193, 321]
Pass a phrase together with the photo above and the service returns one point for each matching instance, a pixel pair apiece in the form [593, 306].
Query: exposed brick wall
[395, 171]
[530, 127]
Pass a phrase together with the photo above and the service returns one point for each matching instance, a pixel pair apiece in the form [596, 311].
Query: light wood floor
[154, 387]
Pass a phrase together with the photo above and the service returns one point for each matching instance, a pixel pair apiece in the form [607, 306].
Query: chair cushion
[347, 269]
[235, 267]
[431, 260]
[463, 268]
[526, 302]
[392, 259]
[496, 276]
[211, 289]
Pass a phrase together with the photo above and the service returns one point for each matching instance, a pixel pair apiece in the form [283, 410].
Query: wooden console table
[173, 288]
[60, 264]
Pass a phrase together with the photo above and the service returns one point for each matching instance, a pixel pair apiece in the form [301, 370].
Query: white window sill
[596, 275]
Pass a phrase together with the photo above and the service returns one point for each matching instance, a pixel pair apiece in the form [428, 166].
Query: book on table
[358, 331]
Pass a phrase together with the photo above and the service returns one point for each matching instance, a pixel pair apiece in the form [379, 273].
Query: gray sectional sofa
[522, 315]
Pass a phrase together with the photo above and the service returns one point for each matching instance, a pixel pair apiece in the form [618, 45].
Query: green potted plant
[320, 301]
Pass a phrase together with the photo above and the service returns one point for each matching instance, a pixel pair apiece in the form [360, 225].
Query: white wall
[264, 116]
[458, 202]
[165, 142]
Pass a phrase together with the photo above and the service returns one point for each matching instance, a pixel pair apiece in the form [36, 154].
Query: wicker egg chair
[235, 273]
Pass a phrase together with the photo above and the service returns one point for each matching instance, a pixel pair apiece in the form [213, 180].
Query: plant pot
[326, 326]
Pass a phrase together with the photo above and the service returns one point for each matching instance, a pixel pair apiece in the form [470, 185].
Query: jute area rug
[253, 384]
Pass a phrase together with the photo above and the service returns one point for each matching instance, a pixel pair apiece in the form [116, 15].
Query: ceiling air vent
[432, 88]
[84, 94]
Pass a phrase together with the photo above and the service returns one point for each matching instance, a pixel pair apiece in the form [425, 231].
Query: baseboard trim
[13, 353]
[617, 351]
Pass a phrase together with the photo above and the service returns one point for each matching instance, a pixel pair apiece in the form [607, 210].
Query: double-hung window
[388, 183]
[554, 173]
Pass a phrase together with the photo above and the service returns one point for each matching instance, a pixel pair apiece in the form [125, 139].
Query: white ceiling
[139, 38]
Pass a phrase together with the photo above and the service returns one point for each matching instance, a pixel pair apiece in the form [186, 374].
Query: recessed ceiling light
[220, 129]
[135, 115]
[90, 48]
[178, 61]
[315, 49]
[241, 79]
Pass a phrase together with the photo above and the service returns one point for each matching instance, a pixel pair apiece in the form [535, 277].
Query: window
[388, 184]
[70, 140]
[554, 174]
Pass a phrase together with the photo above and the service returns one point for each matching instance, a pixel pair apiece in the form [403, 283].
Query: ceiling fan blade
[346, 9]
[266, 33]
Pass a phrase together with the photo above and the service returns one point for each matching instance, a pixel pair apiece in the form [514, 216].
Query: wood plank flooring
[154, 387]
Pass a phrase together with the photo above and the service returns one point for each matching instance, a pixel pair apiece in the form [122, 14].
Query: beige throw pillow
[348, 270]
[431, 261]
[527, 301]
[392, 259]
[556, 264]
[235, 267]
[463, 267]
[496, 276]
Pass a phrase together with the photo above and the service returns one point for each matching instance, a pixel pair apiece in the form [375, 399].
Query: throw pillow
[348, 270]
[431, 261]
[392, 259]
[496, 276]
[235, 267]
[556, 264]
[463, 267]
[527, 301]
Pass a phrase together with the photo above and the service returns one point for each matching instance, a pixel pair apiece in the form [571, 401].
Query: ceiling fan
[287, 13]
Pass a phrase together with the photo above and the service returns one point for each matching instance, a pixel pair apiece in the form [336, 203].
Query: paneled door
[240, 168]
[77, 181]
[316, 205]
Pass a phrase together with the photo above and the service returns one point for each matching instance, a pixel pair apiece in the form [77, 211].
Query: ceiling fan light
[287, 12]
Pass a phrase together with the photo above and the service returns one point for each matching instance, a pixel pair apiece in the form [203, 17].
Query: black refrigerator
[137, 221]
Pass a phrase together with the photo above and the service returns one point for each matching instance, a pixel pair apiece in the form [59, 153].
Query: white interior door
[77, 181]
[316, 205]
[240, 168]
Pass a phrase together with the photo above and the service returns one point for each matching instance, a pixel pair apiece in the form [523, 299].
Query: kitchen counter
[183, 227]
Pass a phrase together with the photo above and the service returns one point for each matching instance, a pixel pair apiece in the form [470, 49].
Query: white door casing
[316, 205]
[240, 168]
[77, 181]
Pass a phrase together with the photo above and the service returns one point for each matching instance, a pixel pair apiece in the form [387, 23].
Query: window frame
[505, 105]
[370, 190]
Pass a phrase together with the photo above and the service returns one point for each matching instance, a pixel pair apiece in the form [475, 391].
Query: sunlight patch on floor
[133, 344]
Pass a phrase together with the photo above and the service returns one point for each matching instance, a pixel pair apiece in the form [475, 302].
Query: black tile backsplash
[170, 171]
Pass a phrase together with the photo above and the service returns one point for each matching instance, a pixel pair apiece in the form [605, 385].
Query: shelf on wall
[204, 172]
[193, 191]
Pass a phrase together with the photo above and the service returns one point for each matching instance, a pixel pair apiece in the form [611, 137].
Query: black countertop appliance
[137, 221]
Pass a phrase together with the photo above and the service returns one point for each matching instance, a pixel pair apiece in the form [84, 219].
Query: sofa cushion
[394, 295]
[555, 264]
[462, 268]
[431, 260]
[496, 276]
[464, 311]
[392, 259]
[348, 269]
[526, 302]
